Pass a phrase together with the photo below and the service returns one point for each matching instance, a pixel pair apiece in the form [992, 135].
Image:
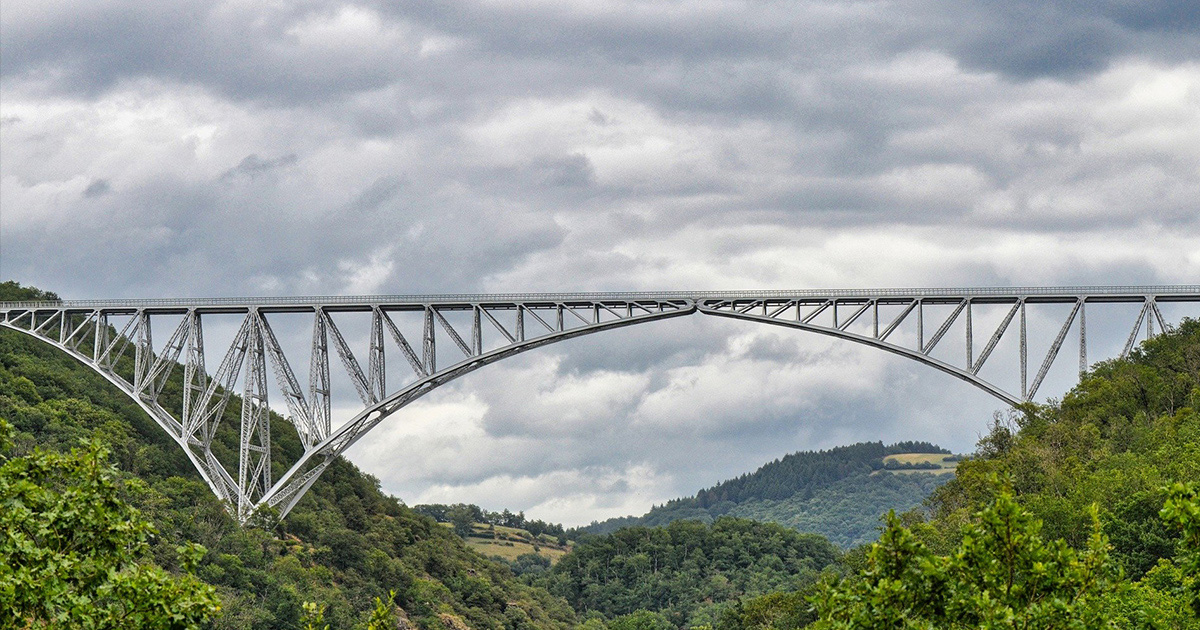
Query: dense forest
[1084, 513]
[688, 572]
[846, 511]
[463, 515]
[838, 493]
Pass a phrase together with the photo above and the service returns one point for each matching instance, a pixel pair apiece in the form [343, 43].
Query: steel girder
[454, 335]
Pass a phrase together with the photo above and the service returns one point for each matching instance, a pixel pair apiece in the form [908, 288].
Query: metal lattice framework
[444, 337]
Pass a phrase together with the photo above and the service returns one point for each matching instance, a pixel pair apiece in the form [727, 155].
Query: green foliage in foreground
[1129, 428]
[1003, 574]
[73, 554]
[1183, 509]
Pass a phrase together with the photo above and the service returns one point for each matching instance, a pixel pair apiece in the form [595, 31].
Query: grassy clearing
[509, 550]
[510, 542]
[918, 458]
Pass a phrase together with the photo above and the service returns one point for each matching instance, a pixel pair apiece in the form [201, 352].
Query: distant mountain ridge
[838, 493]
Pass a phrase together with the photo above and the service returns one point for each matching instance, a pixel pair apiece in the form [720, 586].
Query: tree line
[463, 515]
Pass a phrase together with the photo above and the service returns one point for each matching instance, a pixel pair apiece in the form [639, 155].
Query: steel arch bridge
[442, 337]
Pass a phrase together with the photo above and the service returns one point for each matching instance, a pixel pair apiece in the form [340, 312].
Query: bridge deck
[1000, 295]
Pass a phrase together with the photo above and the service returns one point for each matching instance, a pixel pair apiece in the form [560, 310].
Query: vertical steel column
[254, 454]
[318, 375]
[195, 376]
[920, 323]
[143, 355]
[477, 330]
[428, 347]
[376, 367]
[1024, 355]
[1162, 324]
[970, 337]
[1082, 337]
[1149, 318]
[101, 336]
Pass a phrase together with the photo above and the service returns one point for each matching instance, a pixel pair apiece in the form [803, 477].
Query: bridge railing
[1179, 289]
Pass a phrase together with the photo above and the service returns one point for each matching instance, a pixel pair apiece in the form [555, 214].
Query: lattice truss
[943, 331]
[983, 336]
[445, 341]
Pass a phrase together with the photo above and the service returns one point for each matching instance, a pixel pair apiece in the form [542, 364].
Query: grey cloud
[377, 194]
[249, 52]
[572, 171]
[98, 188]
[253, 166]
[1026, 40]
[724, 59]
[1069, 38]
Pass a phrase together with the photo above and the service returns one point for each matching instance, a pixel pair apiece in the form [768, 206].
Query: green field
[917, 458]
[509, 550]
[510, 542]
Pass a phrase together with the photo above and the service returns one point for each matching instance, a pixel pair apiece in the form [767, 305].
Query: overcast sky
[205, 148]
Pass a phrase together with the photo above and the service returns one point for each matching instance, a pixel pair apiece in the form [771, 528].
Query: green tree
[641, 620]
[1182, 508]
[313, 616]
[462, 518]
[784, 610]
[73, 554]
[383, 616]
[1002, 575]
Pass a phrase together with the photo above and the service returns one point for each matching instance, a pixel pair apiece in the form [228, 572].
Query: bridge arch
[872, 342]
[533, 320]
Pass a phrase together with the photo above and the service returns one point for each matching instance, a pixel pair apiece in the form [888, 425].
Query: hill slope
[1122, 440]
[688, 572]
[1128, 428]
[838, 493]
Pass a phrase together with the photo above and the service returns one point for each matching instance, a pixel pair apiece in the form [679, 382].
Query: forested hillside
[847, 510]
[1074, 514]
[687, 572]
[838, 493]
[1129, 427]
[343, 545]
